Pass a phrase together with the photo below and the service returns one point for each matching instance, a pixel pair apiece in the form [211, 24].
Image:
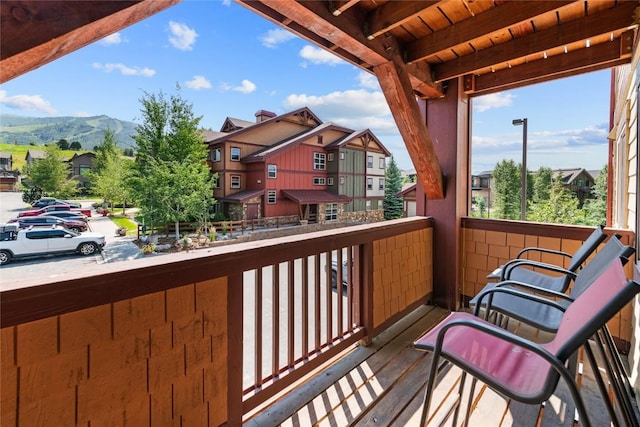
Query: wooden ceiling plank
[600, 56]
[345, 32]
[609, 20]
[493, 20]
[393, 14]
[338, 6]
[397, 90]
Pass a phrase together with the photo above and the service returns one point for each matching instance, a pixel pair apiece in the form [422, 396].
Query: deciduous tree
[596, 209]
[51, 174]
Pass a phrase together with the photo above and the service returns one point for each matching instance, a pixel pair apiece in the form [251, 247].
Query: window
[271, 197]
[381, 163]
[235, 154]
[319, 161]
[369, 183]
[330, 157]
[84, 169]
[215, 155]
[342, 180]
[235, 181]
[380, 183]
[368, 205]
[272, 171]
[216, 181]
[331, 212]
[318, 180]
[369, 161]
[330, 180]
[342, 155]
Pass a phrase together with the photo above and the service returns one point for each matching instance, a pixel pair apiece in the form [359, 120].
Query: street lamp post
[523, 197]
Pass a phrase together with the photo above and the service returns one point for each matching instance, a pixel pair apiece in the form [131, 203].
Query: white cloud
[355, 109]
[125, 70]
[182, 37]
[246, 86]
[494, 100]
[112, 39]
[197, 83]
[274, 37]
[27, 103]
[368, 80]
[319, 56]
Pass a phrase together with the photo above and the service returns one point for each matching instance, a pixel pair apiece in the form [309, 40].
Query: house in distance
[294, 164]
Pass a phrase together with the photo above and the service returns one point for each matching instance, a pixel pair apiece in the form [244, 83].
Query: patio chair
[518, 368]
[520, 268]
[544, 309]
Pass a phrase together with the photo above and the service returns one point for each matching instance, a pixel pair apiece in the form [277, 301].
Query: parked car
[334, 274]
[47, 201]
[40, 242]
[54, 208]
[67, 215]
[48, 221]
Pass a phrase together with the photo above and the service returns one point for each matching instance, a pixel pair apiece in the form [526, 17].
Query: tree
[393, 184]
[481, 203]
[542, 184]
[63, 144]
[51, 174]
[111, 172]
[596, 209]
[75, 145]
[171, 181]
[560, 208]
[507, 188]
[128, 152]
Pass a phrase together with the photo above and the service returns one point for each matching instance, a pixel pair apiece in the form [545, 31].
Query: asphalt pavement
[118, 248]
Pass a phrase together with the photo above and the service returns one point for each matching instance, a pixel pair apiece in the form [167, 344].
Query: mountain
[88, 131]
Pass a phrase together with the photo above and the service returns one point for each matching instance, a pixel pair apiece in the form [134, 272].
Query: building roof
[36, 154]
[4, 155]
[569, 175]
[406, 189]
[358, 134]
[241, 196]
[305, 197]
[232, 124]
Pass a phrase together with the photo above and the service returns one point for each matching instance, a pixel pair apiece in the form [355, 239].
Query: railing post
[366, 290]
[234, 350]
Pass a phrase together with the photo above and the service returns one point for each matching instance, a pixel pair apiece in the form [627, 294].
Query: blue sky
[230, 62]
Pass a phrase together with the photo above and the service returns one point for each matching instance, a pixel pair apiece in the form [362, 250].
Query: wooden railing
[202, 338]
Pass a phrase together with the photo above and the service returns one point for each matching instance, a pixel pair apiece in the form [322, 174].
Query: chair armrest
[532, 288]
[548, 251]
[506, 271]
[488, 294]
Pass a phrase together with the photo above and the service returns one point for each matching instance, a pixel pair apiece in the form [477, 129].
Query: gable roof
[231, 124]
[304, 113]
[36, 154]
[569, 175]
[4, 155]
[365, 133]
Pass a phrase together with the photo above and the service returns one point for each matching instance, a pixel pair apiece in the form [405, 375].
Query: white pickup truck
[38, 242]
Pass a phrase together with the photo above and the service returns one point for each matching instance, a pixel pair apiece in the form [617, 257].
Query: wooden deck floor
[383, 385]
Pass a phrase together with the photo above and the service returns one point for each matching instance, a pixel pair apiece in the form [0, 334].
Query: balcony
[255, 332]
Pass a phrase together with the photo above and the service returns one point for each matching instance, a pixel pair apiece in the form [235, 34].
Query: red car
[54, 208]
[45, 221]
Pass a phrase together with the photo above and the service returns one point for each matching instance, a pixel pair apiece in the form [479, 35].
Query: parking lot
[116, 249]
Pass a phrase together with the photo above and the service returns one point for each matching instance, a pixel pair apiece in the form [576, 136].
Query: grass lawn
[124, 222]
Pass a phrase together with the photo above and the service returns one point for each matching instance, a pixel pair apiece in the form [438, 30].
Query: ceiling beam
[34, 33]
[606, 21]
[342, 34]
[496, 19]
[397, 90]
[598, 57]
[393, 14]
[339, 6]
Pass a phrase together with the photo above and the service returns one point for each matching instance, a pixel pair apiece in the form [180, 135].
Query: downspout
[611, 138]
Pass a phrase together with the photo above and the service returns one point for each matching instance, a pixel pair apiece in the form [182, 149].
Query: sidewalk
[118, 248]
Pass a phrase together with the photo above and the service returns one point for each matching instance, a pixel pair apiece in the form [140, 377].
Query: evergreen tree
[393, 184]
[172, 181]
[596, 209]
[507, 188]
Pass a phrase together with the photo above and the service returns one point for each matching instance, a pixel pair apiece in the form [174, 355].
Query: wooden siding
[403, 273]
[487, 244]
[161, 356]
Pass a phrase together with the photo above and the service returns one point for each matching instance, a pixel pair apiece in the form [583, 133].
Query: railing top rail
[37, 297]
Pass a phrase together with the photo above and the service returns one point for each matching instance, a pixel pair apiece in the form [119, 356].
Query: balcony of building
[255, 333]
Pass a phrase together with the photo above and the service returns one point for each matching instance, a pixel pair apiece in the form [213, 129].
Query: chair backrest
[612, 250]
[587, 248]
[606, 296]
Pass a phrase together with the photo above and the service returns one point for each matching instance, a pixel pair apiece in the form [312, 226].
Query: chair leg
[463, 378]
[474, 381]
[601, 385]
[428, 393]
[569, 380]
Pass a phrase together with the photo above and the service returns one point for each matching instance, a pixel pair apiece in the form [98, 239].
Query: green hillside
[19, 152]
[88, 131]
